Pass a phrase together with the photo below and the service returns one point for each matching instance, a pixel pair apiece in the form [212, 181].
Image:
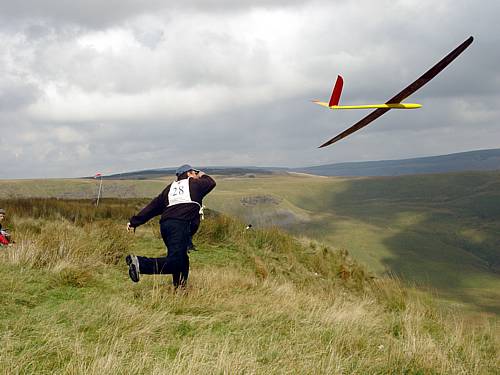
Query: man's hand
[201, 173]
[130, 228]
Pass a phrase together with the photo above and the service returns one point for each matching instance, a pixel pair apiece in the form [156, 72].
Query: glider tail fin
[337, 91]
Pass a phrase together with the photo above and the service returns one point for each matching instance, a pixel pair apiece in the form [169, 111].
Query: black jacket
[198, 188]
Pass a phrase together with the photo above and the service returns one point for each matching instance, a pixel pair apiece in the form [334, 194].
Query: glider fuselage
[368, 106]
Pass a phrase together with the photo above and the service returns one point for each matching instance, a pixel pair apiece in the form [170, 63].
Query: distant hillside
[481, 160]
[169, 171]
[439, 230]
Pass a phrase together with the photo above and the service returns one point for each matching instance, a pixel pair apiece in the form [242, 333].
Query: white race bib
[179, 193]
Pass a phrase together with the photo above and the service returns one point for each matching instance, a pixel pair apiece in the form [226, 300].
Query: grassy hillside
[438, 231]
[441, 231]
[258, 301]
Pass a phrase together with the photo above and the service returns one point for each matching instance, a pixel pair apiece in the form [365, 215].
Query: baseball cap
[184, 168]
[2, 211]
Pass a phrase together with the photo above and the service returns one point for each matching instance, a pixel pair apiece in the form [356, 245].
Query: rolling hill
[479, 160]
[439, 231]
[170, 171]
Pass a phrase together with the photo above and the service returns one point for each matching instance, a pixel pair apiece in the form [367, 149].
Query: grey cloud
[16, 95]
[150, 87]
[150, 38]
[89, 13]
[96, 14]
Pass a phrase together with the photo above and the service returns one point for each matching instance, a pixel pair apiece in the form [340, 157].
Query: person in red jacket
[4, 235]
[180, 205]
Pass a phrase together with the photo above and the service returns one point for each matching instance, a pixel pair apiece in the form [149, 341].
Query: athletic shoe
[133, 267]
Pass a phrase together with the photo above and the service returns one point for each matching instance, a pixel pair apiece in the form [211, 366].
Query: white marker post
[100, 188]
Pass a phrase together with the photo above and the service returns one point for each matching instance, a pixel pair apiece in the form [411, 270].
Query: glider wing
[360, 124]
[407, 91]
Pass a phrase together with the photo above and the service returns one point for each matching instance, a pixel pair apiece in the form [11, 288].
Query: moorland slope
[439, 231]
[258, 301]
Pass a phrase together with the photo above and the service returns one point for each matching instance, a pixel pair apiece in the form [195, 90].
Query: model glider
[393, 103]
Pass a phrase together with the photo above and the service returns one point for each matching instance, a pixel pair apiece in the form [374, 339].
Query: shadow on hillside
[441, 231]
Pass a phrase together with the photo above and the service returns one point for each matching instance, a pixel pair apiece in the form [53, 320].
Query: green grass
[78, 188]
[437, 231]
[258, 301]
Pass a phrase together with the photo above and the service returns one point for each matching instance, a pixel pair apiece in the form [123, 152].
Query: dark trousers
[176, 235]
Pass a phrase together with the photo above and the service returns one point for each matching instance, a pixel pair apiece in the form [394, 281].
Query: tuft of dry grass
[58, 242]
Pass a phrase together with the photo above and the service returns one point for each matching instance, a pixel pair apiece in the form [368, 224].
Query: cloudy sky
[120, 85]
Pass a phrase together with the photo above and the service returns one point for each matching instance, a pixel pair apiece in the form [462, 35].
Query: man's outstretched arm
[154, 208]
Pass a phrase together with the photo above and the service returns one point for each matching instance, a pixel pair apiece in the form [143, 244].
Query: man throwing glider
[180, 206]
